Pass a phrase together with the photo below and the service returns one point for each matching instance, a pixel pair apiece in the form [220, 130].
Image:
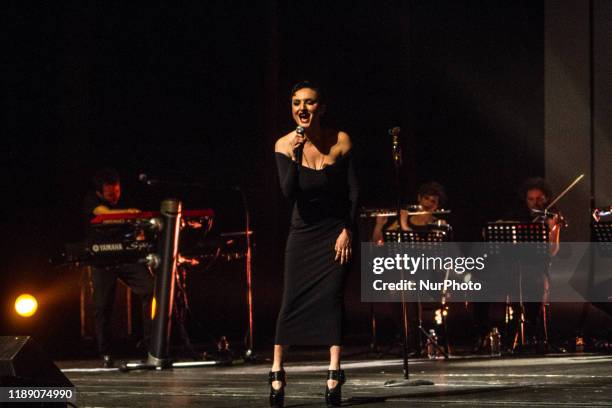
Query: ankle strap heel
[277, 376]
[333, 396]
[337, 375]
[277, 397]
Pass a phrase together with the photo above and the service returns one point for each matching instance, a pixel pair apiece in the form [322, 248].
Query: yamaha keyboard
[130, 237]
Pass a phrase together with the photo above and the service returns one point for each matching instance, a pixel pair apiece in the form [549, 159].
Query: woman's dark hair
[104, 176]
[309, 85]
[534, 183]
[433, 189]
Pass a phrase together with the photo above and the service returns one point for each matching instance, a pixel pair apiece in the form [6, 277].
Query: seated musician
[104, 199]
[429, 197]
[535, 194]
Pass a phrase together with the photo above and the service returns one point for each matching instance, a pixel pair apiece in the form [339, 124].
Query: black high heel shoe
[277, 397]
[333, 397]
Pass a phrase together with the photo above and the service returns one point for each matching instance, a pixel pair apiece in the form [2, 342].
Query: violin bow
[561, 194]
[553, 202]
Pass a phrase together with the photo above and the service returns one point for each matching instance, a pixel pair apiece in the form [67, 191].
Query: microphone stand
[249, 354]
[397, 163]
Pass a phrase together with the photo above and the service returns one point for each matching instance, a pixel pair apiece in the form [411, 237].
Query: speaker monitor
[23, 363]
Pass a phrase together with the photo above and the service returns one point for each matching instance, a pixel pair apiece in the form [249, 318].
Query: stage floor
[549, 381]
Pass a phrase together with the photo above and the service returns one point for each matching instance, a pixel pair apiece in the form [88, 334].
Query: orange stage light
[26, 305]
[153, 307]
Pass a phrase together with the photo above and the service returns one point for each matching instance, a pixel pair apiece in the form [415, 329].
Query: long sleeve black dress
[325, 202]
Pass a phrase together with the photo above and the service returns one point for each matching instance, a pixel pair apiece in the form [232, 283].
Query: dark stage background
[201, 93]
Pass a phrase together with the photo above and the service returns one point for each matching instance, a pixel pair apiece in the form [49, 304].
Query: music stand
[602, 233]
[505, 232]
[423, 240]
[432, 235]
[426, 240]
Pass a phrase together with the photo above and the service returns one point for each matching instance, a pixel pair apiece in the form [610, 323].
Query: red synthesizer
[130, 216]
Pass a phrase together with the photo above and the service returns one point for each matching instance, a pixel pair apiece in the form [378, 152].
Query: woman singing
[323, 187]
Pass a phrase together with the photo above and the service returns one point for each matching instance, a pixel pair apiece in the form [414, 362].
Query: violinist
[534, 198]
[536, 194]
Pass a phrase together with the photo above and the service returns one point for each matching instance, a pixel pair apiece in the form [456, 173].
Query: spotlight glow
[153, 308]
[26, 305]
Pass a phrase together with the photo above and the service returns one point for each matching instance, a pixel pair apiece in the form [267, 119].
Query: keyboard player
[105, 199]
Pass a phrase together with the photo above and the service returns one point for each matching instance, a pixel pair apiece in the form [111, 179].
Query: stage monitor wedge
[23, 363]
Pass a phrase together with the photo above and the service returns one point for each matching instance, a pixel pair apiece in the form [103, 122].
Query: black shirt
[91, 202]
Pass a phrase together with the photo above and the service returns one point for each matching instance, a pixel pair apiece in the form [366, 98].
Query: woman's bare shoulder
[283, 144]
[343, 143]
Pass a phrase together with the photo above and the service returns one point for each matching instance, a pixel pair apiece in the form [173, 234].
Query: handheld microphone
[300, 149]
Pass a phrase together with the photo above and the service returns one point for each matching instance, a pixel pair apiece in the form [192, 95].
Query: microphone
[394, 131]
[300, 149]
[143, 178]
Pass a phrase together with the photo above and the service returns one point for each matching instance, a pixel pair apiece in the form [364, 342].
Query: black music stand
[432, 235]
[505, 232]
[602, 234]
[425, 240]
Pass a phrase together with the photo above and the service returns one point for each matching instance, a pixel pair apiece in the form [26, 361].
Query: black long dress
[325, 202]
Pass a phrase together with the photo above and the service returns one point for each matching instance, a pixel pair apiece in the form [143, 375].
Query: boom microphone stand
[249, 354]
[165, 264]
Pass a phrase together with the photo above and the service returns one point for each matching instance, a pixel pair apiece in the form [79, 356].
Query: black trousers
[104, 280]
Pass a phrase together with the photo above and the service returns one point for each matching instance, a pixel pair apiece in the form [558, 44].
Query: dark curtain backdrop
[201, 92]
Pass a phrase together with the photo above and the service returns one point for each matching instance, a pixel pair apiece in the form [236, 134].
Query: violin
[601, 212]
[551, 214]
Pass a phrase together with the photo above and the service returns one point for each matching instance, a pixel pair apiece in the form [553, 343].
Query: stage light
[26, 305]
[509, 314]
[438, 316]
[153, 307]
